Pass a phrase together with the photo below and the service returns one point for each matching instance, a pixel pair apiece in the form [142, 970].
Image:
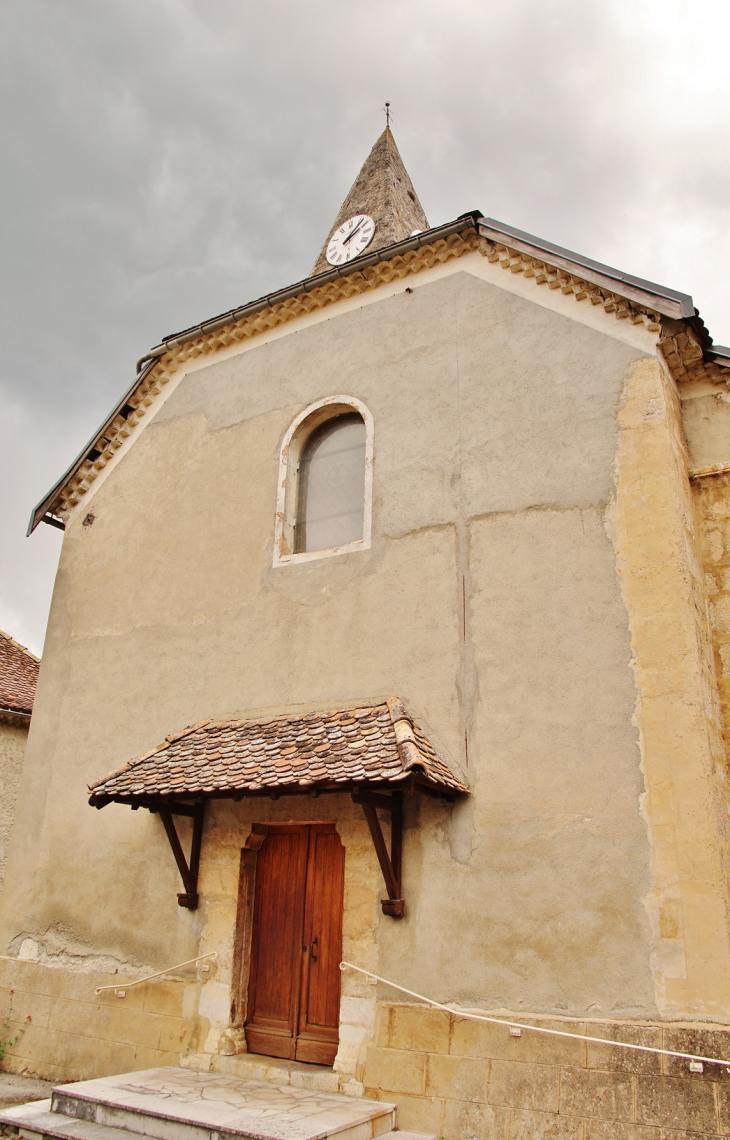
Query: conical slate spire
[384, 191]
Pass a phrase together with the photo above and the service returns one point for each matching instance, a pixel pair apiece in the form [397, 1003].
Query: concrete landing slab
[18, 1089]
[179, 1104]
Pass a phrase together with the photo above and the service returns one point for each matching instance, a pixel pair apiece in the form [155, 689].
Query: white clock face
[350, 239]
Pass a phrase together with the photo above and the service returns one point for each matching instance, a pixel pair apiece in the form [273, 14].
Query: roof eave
[42, 512]
[153, 802]
[15, 717]
[308, 284]
[719, 354]
[658, 298]
[668, 302]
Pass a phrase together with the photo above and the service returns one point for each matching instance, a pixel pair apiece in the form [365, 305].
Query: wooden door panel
[319, 1014]
[276, 951]
[294, 989]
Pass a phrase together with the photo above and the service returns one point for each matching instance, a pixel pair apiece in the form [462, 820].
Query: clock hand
[353, 232]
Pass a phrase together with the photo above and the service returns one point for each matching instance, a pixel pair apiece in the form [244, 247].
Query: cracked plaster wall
[496, 434]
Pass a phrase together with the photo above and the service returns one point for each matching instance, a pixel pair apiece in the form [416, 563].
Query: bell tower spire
[383, 195]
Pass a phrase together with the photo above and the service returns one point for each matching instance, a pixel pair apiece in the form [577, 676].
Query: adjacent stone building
[18, 679]
[396, 607]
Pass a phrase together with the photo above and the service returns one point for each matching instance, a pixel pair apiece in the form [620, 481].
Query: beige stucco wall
[12, 750]
[493, 461]
[498, 424]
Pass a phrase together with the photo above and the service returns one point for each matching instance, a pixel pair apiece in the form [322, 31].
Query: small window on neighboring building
[331, 485]
[324, 501]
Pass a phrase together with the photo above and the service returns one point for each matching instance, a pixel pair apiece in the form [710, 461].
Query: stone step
[180, 1104]
[398, 1135]
[34, 1120]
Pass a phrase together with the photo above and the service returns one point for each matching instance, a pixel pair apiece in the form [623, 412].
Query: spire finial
[386, 108]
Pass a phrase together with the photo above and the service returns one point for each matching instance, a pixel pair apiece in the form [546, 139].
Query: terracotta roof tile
[380, 745]
[18, 676]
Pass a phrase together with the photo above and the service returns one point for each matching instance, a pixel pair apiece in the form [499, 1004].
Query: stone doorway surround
[228, 826]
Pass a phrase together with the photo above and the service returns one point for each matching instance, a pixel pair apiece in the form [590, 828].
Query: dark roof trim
[412, 782]
[719, 354]
[15, 717]
[666, 301]
[41, 513]
[428, 237]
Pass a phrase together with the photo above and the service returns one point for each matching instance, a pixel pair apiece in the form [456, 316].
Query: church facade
[391, 628]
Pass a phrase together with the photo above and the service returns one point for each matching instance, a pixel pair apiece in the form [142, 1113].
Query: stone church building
[392, 627]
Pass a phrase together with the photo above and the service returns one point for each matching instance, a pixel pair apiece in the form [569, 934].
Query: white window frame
[287, 493]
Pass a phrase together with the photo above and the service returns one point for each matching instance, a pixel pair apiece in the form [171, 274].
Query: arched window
[325, 486]
[331, 485]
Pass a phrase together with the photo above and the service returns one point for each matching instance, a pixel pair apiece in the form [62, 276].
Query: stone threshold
[255, 1067]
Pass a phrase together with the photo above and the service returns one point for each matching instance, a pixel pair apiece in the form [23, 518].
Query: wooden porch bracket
[390, 862]
[188, 871]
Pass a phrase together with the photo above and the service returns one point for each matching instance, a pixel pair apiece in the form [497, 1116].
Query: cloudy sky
[165, 160]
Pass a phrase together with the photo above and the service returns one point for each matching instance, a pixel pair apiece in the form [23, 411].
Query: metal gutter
[428, 237]
[719, 354]
[669, 302]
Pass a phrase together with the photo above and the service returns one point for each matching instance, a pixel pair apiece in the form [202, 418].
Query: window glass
[330, 504]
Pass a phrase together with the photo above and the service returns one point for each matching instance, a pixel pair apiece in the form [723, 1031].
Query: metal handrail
[121, 988]
[696, 1060]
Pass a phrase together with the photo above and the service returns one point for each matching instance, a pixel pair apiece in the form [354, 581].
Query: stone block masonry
[74, 1034]
[466, 1080]
[712, 507]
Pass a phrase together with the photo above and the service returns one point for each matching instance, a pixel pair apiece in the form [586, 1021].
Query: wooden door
[276, 951]
[294, 988]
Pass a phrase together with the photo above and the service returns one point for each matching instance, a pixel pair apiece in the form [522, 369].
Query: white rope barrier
[537, 1028]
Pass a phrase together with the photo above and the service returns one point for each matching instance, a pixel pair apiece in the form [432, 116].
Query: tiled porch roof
[18, 677]
[366, 745]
